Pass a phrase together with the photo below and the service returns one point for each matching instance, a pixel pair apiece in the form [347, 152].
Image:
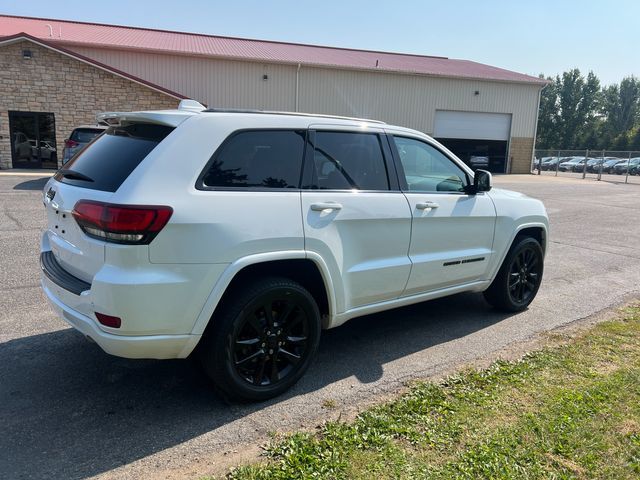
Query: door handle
[426, 205]
[319, 207]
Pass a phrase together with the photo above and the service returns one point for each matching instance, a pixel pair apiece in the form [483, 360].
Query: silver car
[79, 138]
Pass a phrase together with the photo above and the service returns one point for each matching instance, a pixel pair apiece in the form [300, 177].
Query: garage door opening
[475, 134]
[496, 150]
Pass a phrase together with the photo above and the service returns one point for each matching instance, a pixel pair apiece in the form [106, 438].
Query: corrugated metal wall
[407, 100]
[218, 83]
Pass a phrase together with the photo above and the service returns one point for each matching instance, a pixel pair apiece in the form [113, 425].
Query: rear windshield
[107, 162]
[85, 135]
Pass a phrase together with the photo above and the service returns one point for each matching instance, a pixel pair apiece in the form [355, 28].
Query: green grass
[564, 412]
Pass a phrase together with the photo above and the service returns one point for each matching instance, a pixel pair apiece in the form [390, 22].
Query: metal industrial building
[472, 108]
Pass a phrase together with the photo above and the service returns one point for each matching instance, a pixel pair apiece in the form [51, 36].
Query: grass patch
[564, 412]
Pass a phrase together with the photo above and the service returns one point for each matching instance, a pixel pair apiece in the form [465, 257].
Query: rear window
[257, 159]
[85, 135]
[107, 162]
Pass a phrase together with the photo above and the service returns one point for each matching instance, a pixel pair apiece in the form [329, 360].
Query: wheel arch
[309, 271]
[535, 229]
[539, 232]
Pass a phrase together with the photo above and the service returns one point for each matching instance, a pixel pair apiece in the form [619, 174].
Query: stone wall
[520, 155]
[71, 89]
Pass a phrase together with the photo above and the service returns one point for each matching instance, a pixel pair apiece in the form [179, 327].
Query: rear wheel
[262, 340]
[519, 277]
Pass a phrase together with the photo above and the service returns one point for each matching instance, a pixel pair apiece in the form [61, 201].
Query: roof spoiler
[170, 118]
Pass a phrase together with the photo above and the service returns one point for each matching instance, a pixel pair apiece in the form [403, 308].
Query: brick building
[47, 91]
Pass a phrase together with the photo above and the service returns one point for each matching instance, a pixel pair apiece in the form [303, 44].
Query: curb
[27, 173]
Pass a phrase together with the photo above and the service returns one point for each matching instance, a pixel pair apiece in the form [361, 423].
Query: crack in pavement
[594, 249]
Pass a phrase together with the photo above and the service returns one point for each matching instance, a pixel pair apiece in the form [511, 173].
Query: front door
[33, 140]
[354, 216]
[452, 231]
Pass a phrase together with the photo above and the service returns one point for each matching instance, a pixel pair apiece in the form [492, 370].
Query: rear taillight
[70, 143]
[128, 224]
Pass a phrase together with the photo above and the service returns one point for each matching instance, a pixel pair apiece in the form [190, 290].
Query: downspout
[535, 130]
[297, 85]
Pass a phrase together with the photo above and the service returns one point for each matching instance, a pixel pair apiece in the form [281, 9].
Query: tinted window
[426, 169]
[346, 160]
[85, 135]
[266, 159]
[112, 157]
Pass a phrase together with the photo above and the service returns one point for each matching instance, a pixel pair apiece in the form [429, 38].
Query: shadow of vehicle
[71, 411]
[37, 184]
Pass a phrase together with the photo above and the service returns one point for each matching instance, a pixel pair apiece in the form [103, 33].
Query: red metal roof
[119, 37]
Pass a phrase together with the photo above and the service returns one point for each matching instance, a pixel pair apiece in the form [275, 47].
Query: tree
[547, 132]
[568, 109]
[578, 98]
[621, 104]
[635, 139]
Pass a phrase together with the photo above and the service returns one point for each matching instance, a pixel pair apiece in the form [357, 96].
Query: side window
[259, 158]
[348, 160]
[426, 169]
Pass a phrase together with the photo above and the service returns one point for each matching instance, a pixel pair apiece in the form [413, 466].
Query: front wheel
[519, 277]
[262, 340]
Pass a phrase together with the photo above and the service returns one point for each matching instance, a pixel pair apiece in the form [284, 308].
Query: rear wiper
[72, 174]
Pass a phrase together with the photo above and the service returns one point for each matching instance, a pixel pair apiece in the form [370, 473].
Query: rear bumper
[128, 346]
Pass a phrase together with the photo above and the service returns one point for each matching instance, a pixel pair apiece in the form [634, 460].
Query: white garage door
[472, 125]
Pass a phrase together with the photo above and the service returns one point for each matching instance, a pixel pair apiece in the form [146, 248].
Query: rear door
[452, 232]
[354, 215]
[95, 174]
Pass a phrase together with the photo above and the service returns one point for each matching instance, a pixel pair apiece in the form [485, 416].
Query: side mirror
[481, 182]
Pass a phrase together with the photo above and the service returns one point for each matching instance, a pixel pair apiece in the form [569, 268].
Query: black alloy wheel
[518, 280]
[271, 339]
[262, 339]
[524, 275]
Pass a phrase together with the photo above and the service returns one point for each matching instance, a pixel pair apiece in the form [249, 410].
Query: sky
[533, 37]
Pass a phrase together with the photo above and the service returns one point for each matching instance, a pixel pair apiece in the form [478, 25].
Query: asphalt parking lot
[71, 411]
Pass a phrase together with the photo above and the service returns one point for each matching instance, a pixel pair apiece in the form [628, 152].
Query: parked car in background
[567, 166]
[579, 166]
[607, 166]
[622, 167]
[552, 162]
[477, 162]
[44, 151]
[634, 166]
[79, 138]
[593, 164]
[539, 162]
[22, 146]
[200, 230]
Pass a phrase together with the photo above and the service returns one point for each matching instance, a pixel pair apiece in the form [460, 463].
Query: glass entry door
[33, 140]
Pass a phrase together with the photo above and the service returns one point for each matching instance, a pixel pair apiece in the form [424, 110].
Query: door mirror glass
[481, 181]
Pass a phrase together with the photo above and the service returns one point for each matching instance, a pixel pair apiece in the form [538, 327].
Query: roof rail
[299, 114]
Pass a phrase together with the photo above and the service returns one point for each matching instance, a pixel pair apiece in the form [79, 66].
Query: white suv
[245, 233]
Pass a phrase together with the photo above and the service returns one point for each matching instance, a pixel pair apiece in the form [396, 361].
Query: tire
[519, 277]
[253, 354]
